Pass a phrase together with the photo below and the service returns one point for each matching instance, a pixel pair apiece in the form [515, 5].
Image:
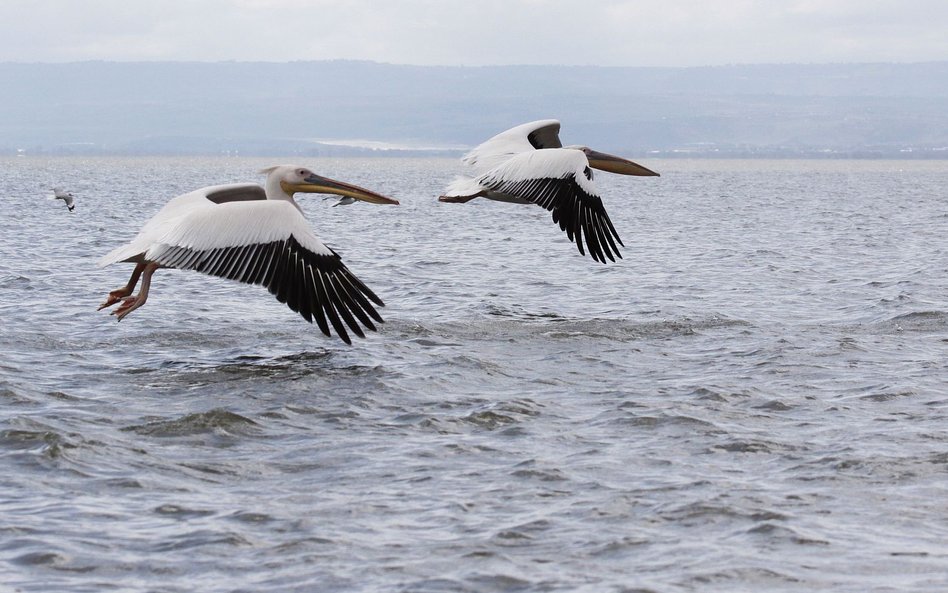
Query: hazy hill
[172, 107]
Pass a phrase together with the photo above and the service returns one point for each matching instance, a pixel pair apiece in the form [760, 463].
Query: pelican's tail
[462, 189]
[126, 252]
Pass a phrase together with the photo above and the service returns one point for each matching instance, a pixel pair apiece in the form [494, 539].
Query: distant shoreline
[345, 108]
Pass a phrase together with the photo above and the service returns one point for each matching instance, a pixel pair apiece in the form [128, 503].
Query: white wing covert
[523, 138]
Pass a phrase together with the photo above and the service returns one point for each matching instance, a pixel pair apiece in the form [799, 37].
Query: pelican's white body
[545, 163]
[195, 222]
[510, 156]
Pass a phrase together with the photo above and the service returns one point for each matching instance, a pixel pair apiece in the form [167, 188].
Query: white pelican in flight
[529, 165]
[65, 196]
[255, 235]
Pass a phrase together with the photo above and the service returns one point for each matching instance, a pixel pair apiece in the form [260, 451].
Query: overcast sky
[478, 32]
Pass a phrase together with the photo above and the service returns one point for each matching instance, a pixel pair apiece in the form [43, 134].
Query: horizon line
[484, 66]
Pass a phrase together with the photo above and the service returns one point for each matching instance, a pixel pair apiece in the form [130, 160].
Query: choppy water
[754, 399]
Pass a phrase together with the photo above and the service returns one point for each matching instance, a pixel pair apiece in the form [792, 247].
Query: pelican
[528, 164]
[255, 235]
[66, 197]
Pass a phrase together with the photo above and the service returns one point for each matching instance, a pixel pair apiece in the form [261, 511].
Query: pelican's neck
[274, 190]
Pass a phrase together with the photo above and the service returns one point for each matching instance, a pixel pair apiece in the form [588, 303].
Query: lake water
[754, 399]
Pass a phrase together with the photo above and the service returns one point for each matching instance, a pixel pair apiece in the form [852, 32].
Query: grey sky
[478, 32]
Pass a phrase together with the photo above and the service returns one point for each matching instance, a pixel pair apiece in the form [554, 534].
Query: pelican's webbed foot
[128, 305]
[131, 302]
[120, 293]
[114, 297]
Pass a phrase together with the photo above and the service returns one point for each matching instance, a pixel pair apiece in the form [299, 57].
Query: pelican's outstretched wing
[268, 242]
[528, 137]
[560, 180]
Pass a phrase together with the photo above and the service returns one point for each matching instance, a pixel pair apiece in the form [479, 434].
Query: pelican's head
[290, 179]
[614, 164]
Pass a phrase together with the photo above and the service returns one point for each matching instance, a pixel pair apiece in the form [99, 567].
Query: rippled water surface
[754, 399]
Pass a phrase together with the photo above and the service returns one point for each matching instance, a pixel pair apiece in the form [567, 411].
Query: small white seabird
[344, 201]
[66, 197]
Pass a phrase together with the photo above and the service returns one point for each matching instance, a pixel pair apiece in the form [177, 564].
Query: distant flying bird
[255, 235]
[65, 197]
[528, 164]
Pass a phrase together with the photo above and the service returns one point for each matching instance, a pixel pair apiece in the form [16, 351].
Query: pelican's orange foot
[114, 297]
[128, 305]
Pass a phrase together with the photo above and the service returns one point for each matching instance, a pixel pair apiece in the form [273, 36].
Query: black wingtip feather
[317, 286]
[579, 214]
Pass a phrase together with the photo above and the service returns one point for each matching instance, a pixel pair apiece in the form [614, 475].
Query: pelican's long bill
[616, 164]
[316, 184]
